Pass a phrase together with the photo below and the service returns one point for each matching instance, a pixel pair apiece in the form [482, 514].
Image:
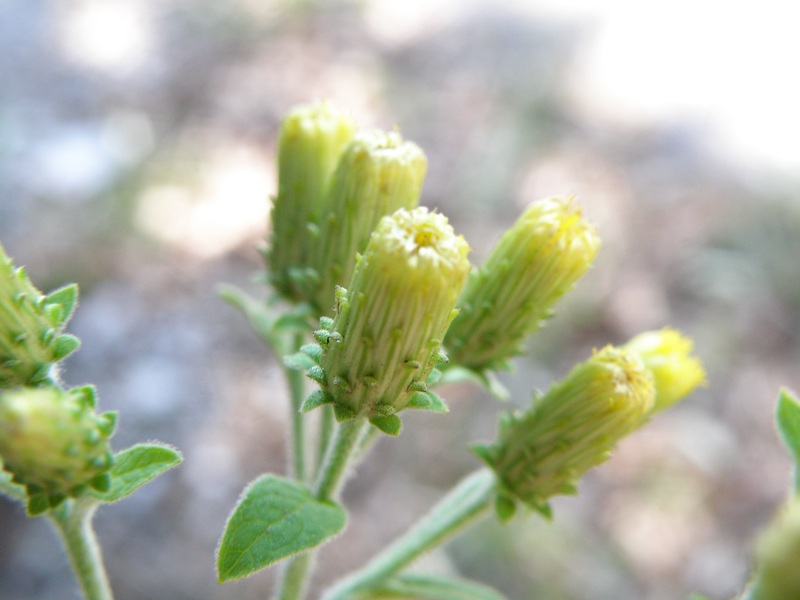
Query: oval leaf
[136, 466]
[274, 519]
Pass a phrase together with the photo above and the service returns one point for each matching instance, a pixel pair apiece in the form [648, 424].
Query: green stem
[341, 449]
[467, 502]
[326, 425]
[297, 390]
[73, 520]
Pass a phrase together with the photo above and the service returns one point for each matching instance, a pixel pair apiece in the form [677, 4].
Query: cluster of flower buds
[345, 216]
[535, 262]
[375, 356]
[334, 185]
[32, 340]
[51, 441]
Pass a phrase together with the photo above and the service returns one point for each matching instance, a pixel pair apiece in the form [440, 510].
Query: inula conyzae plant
[381, 306]
[375, 305]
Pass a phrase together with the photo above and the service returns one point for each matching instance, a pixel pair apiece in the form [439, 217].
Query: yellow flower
[667, 353]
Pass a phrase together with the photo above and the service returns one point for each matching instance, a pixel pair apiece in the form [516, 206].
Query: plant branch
[465, 504]
[73, 520]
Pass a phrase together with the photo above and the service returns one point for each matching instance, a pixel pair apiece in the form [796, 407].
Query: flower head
[377, 174]
[387, 333]
[667, 354]
[311, 141]
[545, 450]
[54, 443]
[31, 327]
[535, 262]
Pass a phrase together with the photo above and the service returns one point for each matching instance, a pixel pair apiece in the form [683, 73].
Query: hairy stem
[342, 448]
[73, 520]
[465, 504]
[297, 388]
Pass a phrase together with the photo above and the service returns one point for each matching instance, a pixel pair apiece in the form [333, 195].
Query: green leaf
[260, 317]
[504, 507]
[427, 401]
[428, 587]
[788, 420]
[64, 345]
[390, 424]
[315, 399]
[698, 597]
[67, 298]
[299, 361]
[292, 322]
[136, 466]
[485, 379]
[275, 518]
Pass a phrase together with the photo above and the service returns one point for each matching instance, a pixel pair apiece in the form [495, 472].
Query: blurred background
[137, 149]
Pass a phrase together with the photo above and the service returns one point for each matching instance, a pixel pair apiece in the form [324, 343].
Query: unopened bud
[53, 442]
[545, 450]
[378, 173]
[31, 327]
[387, 333]
[311, 141]
[535, 262]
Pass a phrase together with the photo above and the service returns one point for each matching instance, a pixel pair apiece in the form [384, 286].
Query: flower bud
[546, 449]
[311, 141]
[535, 262]
[777, 557]
[53, 442]
[667, 354]
[378, 173]
[387, 333]
[31, 325]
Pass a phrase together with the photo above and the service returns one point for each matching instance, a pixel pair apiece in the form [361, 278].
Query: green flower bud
[53, 442]
[387, 333]
[535, 262]
[667, 353]
[311, 141]
[31, 325]
[377, 174]
[546, 449]
[777, 557]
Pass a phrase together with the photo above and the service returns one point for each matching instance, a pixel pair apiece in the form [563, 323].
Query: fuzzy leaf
[64, 345]
[299, 361]
[428, 587]
[315, 399]
[135, 466]
[292, 322]
[427, 401]
[390, 425]
[275, 518]
[259, 316]
[485, 379]
[788, 421]
[67, 298]
[504, 508]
